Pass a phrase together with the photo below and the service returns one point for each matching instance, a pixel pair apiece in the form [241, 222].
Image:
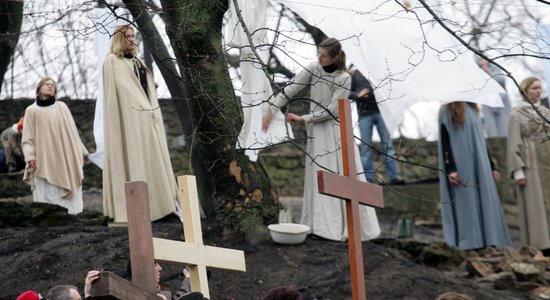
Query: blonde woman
[134, 137]
[528, 153]
[53, 150]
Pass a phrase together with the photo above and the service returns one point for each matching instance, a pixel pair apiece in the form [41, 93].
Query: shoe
[397, 181]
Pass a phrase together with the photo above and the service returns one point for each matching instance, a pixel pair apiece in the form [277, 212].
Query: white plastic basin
[288, 233]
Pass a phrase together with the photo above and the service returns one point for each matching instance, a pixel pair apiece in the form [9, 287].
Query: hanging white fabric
[256, 89]
[407, 62]
[102, 45]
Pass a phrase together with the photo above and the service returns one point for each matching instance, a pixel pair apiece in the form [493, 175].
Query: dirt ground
[40, 257]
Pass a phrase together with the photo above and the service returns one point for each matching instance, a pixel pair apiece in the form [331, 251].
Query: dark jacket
[366, 105]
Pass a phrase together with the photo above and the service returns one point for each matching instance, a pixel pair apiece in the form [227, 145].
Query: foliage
[241, 217]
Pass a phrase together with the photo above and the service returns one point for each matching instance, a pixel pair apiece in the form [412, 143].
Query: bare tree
[11, 15]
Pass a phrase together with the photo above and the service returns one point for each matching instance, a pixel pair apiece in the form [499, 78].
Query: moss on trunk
[239, 188]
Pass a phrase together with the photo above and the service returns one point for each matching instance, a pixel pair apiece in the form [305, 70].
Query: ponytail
[334, 49]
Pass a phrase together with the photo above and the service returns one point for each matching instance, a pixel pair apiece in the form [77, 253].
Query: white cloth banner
[102, 48]
[543, 40]
[256, 89]
[405, 61]
[102, 45]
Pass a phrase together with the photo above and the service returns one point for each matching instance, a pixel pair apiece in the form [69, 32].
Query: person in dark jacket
[369, 116]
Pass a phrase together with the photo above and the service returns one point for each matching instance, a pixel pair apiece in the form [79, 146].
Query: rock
[441, 256]
[501, 281]
[542, 292]
[528, 285]
[530, 251]
[477, 268]
[527, 272]
[511, 254]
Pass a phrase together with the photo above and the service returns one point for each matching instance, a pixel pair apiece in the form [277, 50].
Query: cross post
[112, 287]
[354, 192]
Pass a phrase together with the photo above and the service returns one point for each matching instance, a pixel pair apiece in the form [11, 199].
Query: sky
[71, 59]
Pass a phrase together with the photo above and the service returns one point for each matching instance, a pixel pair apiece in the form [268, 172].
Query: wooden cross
[110, 286]
[142, 246]
[193, 252]
[354, 192]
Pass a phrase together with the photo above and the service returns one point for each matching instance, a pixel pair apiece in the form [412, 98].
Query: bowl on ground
[288, 233]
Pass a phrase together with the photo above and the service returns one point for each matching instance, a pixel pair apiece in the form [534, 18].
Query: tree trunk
[233, 190]
[11, 17]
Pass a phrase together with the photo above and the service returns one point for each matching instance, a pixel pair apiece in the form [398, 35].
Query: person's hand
[363, 92]
[521, 182]
[294, 118]
[91, 277]
[266, 120]
[32, 163]
[454, 178]
[496, 175]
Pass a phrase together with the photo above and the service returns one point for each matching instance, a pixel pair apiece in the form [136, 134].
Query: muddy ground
[38, 257]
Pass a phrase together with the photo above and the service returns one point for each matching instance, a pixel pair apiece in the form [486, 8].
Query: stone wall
[285, 164]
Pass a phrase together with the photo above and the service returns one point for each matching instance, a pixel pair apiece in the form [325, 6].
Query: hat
[20, 124]
[29, 295]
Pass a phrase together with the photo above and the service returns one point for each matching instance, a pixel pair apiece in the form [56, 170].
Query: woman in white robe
[328, 81]
[53, 150]
[135, 140]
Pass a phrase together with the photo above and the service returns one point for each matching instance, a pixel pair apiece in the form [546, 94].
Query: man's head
[63, 292]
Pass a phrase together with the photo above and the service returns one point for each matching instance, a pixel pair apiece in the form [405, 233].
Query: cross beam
[354, 192]
[193, 252]
[110, 286]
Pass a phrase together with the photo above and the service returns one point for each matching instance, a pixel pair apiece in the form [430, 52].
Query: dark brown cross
[354, 192]
[140, 236]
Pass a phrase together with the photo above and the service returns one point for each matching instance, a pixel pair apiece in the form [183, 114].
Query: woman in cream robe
[527, 131]
[135, 140]
[328, 81]
[53, 151]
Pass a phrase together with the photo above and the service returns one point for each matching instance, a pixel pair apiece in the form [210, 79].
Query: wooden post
[112, 287]
[140, 235]
[354, 192]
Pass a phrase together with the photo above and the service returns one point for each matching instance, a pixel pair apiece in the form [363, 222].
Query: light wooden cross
[354, 192]
[193, 252]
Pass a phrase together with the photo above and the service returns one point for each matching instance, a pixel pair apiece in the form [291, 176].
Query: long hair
[335, 51]
[119, 39]
[525, 84]
[42, 82]
[458, 112]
